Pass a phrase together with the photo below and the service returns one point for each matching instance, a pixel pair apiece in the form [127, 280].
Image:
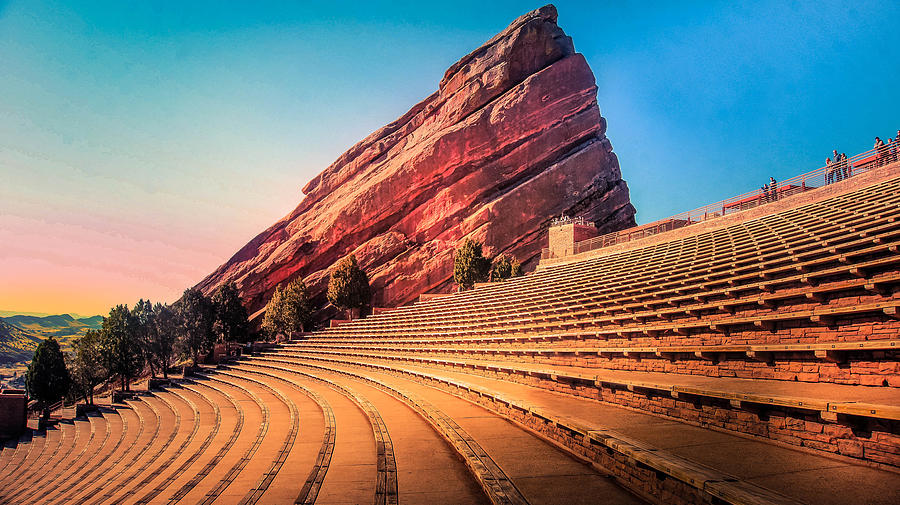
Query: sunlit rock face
[512, 138]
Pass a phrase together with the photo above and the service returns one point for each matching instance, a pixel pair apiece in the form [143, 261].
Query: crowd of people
[836, 167]
[887, 152]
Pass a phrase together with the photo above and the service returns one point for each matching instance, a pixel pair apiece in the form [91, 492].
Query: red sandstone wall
[512, 137]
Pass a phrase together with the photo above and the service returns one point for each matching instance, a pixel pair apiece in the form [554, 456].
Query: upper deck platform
[859, 171]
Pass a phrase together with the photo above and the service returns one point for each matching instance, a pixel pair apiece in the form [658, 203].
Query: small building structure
[565, 232]
[223, 351]
[13, 412]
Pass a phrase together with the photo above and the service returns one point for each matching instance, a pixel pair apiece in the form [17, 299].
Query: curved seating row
[783, 326]
[582, 425]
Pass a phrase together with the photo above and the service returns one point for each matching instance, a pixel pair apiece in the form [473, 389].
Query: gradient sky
[143, 143]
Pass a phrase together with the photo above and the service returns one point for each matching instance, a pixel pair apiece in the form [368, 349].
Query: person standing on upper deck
[844, 166]
[895, 151]
[773, 189]
[838, 168]
[829, 171]
[880, 153]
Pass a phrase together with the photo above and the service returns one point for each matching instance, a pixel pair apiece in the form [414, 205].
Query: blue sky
[142, 143]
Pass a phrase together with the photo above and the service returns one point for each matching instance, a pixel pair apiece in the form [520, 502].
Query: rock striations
[512, 138]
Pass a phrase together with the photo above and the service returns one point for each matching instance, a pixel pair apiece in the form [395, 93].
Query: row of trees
[470, 266]
[290, 308]
[132, 340]
[155, 336]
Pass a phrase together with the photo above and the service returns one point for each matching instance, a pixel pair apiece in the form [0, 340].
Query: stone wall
[13, 412]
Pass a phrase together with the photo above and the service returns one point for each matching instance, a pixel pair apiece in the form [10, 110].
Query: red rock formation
[512, 138]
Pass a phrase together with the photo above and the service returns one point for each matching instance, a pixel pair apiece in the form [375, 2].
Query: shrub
[505, 267]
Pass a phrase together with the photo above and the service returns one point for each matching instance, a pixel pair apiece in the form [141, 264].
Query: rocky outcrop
[512, 138]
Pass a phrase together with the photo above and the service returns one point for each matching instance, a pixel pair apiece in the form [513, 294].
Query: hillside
[63, 325]
[16, 344]
[20, 335]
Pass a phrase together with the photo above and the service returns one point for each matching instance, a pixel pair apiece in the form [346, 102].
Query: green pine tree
[232, 324]
[469, 265]
[88, 364]
[197, 316]
[348, 287]
[505, 267]
[162, 345]
[47, 379]
[121, 345]
[289, 309]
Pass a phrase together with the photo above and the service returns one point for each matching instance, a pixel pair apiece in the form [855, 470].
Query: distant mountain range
[20, 334]
[60, 325]
[16, 344]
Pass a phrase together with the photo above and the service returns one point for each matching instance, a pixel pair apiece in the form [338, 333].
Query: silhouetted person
[897, 146]
[837, 172]
[830, 170]
[773, 189]
[844, 166]
[880, 152]
[765, 193]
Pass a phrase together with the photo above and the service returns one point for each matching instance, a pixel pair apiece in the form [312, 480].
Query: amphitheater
[747, 358]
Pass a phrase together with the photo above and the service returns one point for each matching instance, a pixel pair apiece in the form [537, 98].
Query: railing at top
[556, 221]
[821, 176]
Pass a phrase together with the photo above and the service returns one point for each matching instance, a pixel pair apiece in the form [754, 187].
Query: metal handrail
[813, 179]
[557, 221]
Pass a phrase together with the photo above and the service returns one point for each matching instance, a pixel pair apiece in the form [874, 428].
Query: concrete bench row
[782, 360]
[734, 404]
[785, 260]
[704, 482]
[765, 293]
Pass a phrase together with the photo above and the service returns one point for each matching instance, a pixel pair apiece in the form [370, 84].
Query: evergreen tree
[145, 330]
[469, 265]
[88, 366]
[165, 335]
[47, 379]
[121, 346]
[289, 309]
[273, 320]
[348, 287]
[505, 267]
[297, 308]
[196, 318]
[232, 324]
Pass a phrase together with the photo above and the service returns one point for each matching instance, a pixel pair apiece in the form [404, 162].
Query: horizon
[143, 147]
[11, 313]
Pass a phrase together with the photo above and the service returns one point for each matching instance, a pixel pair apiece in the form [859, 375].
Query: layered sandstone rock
[512, 138]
